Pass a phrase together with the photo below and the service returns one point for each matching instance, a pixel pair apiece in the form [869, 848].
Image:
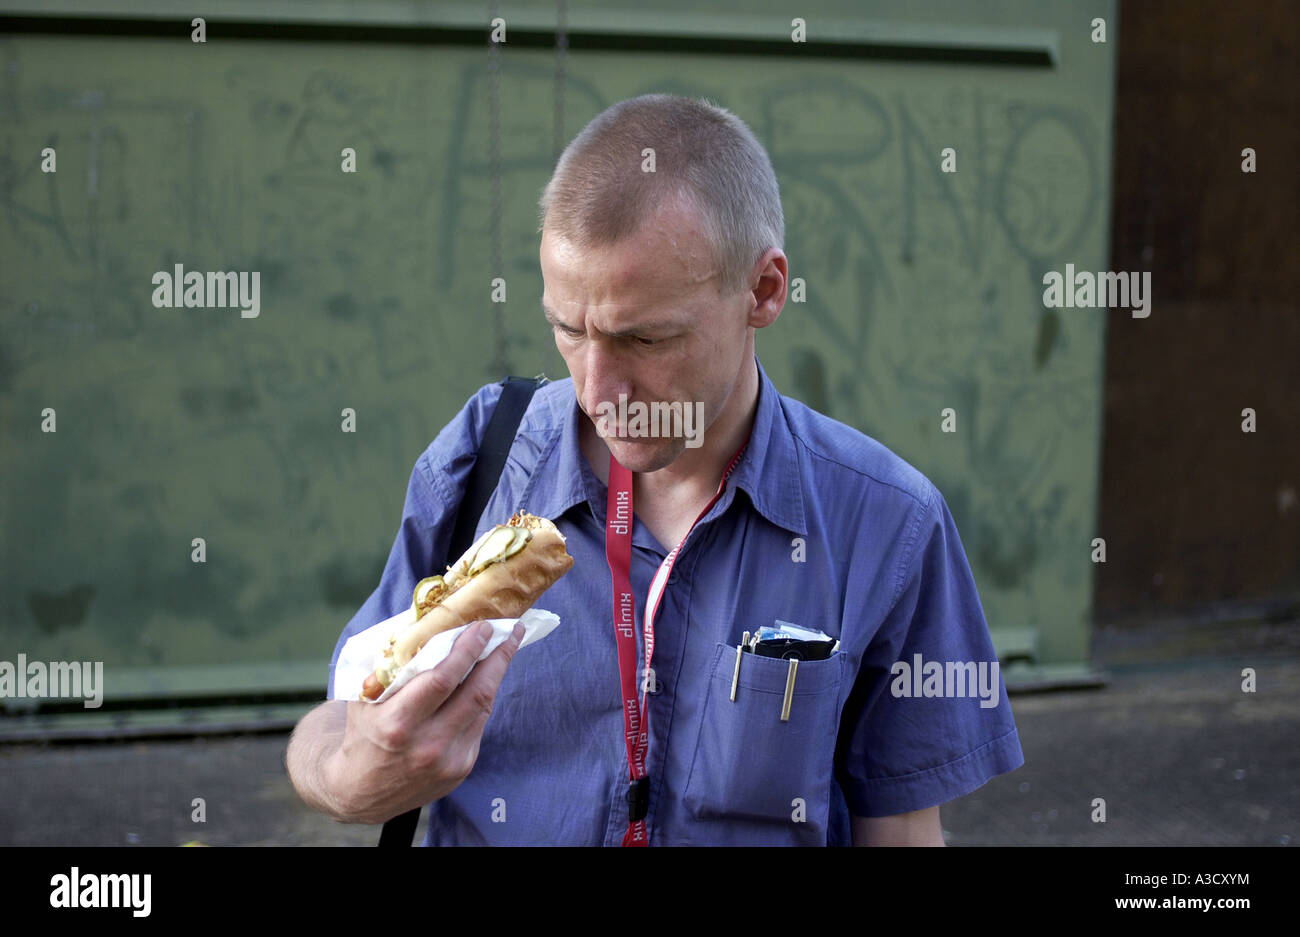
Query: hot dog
[500, 576]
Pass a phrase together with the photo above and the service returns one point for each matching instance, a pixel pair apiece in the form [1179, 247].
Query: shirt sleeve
[912, 738]
[433, 495]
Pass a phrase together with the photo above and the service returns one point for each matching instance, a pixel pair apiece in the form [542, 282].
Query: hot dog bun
[500, 576]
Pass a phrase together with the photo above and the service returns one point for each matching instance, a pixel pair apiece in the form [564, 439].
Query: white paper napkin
[359, 655]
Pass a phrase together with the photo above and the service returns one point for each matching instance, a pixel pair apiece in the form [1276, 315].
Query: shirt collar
[768, 471]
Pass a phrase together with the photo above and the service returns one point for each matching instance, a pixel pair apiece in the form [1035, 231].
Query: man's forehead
[620, 296]
[667, 255]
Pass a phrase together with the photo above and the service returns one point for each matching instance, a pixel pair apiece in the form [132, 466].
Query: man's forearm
[316, 738]
[920, 828]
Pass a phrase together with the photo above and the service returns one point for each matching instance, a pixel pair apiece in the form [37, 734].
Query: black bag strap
[483, 479]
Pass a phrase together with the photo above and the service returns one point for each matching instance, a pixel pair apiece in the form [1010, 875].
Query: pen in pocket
[735, 674]
[789, 689]
[746, 645]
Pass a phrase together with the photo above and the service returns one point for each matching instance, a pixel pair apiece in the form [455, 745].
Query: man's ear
[770, 288]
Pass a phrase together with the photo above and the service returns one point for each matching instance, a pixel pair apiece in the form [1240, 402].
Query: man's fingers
[472, 703]
[426, 693]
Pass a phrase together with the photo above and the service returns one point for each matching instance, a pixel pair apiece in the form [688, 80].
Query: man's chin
[644, 455]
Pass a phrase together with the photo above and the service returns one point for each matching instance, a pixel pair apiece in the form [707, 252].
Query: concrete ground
[1175, 748]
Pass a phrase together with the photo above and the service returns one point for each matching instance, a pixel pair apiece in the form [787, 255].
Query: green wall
[923, 290]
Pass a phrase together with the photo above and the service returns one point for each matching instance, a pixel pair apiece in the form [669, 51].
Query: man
[655, 283]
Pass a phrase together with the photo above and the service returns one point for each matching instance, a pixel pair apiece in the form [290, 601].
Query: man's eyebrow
[551, 317]
[656, 326]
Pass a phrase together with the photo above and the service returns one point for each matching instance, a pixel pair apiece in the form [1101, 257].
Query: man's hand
[920, 828]
[421, 743]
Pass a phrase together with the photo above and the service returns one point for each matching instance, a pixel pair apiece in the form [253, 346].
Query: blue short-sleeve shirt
[820, 526]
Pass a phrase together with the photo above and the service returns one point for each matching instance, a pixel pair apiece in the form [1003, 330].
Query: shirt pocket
[747, 762]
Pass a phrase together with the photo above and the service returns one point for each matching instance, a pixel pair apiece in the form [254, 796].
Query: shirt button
[672, 578]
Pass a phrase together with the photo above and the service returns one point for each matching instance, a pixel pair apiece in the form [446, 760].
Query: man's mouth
[618, 432]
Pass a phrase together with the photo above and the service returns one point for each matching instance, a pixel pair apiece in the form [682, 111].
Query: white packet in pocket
[361, 651]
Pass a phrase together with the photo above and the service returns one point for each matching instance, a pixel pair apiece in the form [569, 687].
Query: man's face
[644, 319]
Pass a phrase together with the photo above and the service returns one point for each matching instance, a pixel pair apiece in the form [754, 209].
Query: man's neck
[695, 470]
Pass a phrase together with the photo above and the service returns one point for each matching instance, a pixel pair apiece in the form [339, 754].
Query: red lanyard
[618, 551]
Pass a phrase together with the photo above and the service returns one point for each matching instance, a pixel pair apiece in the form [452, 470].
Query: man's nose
[607, 374]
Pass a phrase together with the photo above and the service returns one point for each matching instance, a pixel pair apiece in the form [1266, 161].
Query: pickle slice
[493, 549]
[522, 536]
[461, 570]
[424, 588]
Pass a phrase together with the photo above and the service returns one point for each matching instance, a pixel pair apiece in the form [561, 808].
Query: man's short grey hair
[706, 158]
